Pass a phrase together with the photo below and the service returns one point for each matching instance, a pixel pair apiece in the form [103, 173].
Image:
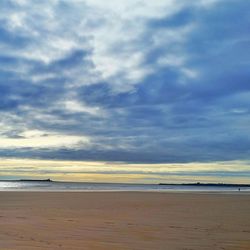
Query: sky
[125, 90]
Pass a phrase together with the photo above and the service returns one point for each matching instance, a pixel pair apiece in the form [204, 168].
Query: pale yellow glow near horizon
[43, 139]
[121, 171]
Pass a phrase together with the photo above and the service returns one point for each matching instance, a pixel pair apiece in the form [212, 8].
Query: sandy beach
[124, 220]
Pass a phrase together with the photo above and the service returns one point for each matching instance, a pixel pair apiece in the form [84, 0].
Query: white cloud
[16, 20]
[77, 107]
[43, 139]
[20, 2]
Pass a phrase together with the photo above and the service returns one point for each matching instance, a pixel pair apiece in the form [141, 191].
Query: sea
[99, 187]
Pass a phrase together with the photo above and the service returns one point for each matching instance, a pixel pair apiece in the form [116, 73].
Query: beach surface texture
[124, 221]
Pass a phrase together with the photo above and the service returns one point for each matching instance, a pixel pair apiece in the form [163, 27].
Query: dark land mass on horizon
[208, 184]
[47, 180]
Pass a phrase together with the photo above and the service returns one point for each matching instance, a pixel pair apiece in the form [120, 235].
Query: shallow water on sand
[80, 186]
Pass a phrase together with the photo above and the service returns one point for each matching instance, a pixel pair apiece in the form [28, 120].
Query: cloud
[135, 81]
[117, 171]
[118, 57]
[41, 139]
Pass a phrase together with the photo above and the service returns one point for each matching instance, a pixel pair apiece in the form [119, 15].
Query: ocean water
[78, 186]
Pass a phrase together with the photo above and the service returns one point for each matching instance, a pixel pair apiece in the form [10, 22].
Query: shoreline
[236, 192]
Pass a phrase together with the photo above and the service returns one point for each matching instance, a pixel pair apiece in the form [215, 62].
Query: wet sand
[124, 220]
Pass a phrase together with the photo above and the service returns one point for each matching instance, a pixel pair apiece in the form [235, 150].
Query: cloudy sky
[128, 90]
